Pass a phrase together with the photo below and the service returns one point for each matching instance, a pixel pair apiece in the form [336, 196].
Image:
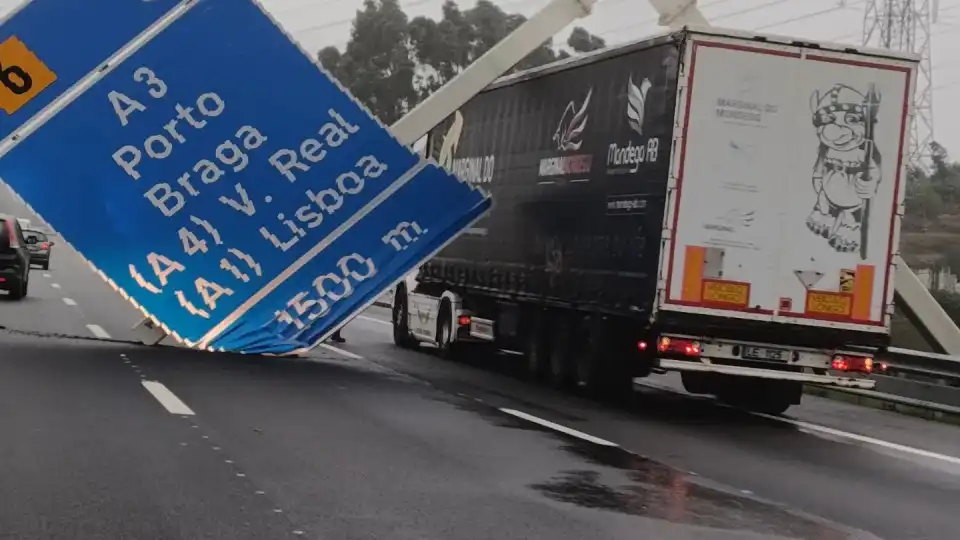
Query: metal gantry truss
[905, 25]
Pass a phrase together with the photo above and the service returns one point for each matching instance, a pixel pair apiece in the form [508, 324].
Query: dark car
[14, 258]
[39, 246]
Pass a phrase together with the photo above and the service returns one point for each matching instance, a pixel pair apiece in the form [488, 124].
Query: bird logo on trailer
[846, 174]
[571, 126]
[567, 138]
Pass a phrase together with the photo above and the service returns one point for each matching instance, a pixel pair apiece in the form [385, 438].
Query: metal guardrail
[943, 368]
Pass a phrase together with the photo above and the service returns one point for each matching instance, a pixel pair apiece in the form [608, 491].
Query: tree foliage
[931, 194]
[391, 62]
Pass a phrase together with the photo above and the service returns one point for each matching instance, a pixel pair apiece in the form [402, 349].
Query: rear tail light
[685, 347]
[464, 320]
[45, 245]
[855, 364]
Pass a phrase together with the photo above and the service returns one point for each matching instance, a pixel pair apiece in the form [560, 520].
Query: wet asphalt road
[372, 442]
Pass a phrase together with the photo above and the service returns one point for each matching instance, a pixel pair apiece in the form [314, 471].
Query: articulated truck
[718, 203]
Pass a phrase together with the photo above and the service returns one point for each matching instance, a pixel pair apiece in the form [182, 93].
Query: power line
[767, 5]
[815, 14]
[339, 22]
[905, 25]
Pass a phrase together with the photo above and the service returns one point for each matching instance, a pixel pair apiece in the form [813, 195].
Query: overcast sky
[318, 23]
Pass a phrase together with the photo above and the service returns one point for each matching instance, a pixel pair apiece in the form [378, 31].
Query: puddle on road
[626, 483]
[653, 490]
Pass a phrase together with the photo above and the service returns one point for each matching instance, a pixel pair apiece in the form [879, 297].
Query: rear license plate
[763, 353]
[481, 329]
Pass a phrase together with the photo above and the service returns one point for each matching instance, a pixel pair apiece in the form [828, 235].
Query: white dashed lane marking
[98, 331]
[168, 399]
[69, 301]
[373, 320]
[342, 352]
[55, 285]
[46, 274]
[557, 427]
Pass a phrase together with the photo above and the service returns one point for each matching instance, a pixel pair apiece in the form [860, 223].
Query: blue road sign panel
[199, 170]
[48, 45]
[425, 213]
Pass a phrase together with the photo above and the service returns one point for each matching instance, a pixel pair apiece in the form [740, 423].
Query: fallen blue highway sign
[46, 46]
[429, 208]
[209, 164]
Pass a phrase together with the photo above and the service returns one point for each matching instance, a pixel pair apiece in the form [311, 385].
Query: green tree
[925, 202]
[951, 258]
[945, 175]
[376, 64]
[582, 41]
[950, 302]
[445, 47]
[391, 63]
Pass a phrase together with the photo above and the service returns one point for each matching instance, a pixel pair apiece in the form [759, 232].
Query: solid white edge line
[69, 301]
[814, 429]
[557, 427]
[862, 438]
[342, 352]
[372, 319]
[98, 331]
[168, 399]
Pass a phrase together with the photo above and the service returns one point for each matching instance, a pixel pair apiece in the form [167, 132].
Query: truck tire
[445, 344]
[697, 383]
[759, 395]
[601, 372]
[401, 330]
[537, 349]
[561, 370]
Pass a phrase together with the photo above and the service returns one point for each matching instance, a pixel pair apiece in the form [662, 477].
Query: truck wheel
[697, 383]
[771, 406]
[561, 369]
[601, 372]
[445, 343]
[759, 395]
[537, 348]
[401, 330]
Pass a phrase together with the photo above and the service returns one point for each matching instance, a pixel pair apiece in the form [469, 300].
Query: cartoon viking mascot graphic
[846, 174]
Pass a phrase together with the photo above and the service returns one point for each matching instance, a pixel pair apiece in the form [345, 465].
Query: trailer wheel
[401, 330]
[562, 352]
[697, 383]
[537, 347]
[760, 395]
[601, 372]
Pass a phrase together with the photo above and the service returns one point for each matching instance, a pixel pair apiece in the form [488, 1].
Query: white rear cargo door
[787, 184]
